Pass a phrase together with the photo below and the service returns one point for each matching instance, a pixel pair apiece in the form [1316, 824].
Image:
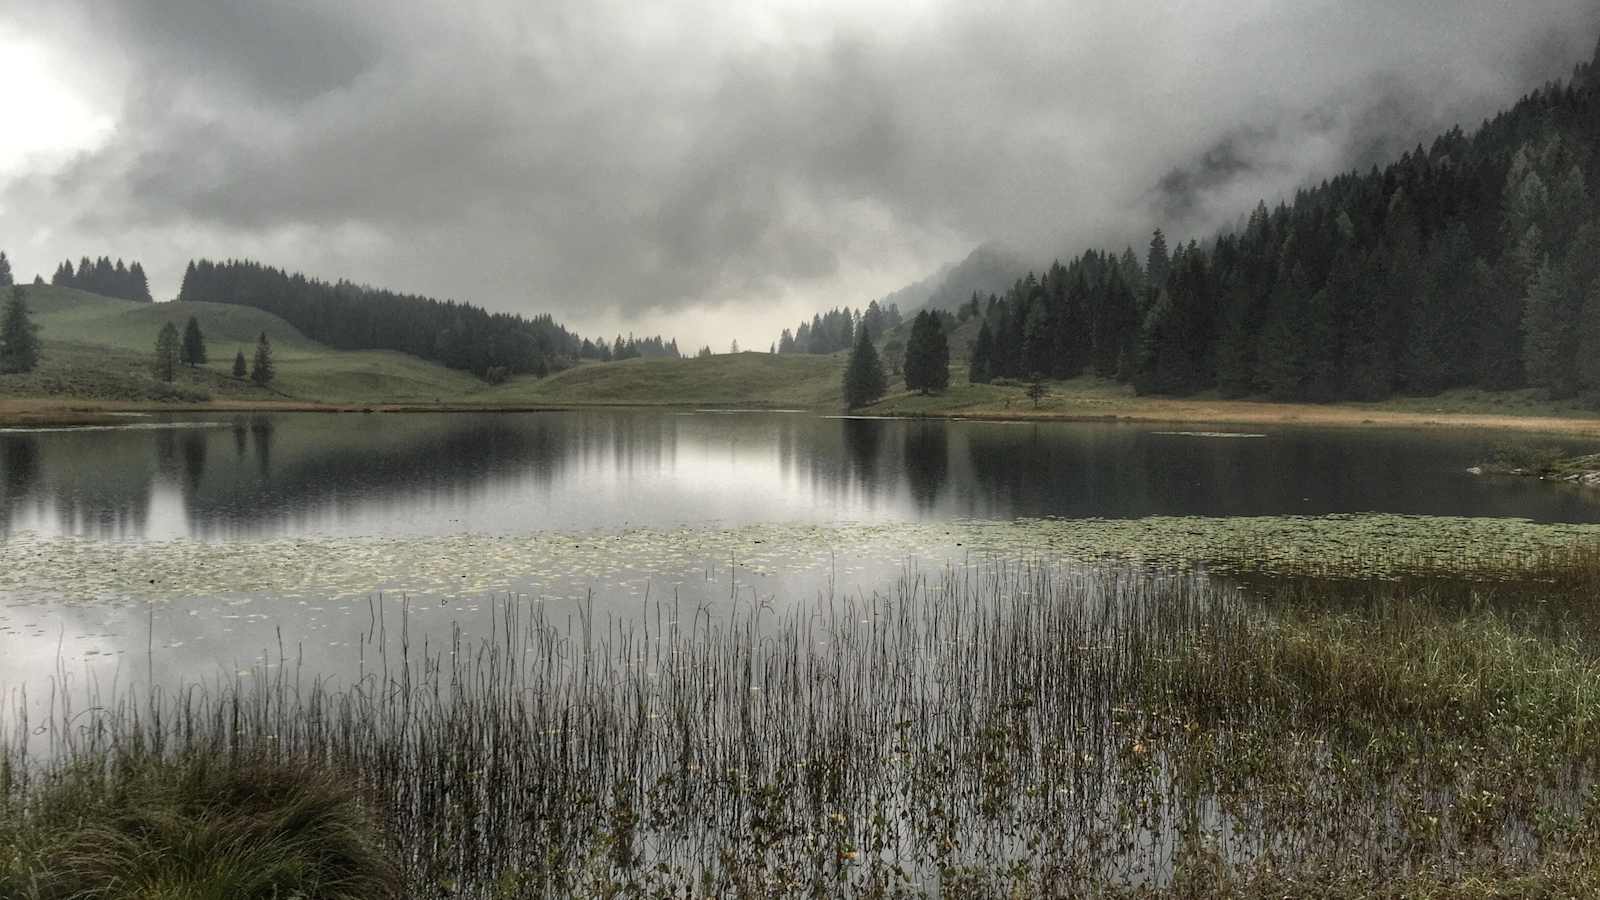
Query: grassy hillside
[729, 379]
[99, 348]
[65, 314]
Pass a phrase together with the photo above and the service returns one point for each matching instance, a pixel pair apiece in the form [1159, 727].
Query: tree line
[1474, 262]
[630, 348]
[104, 277]
[348, 316]
[836, 329]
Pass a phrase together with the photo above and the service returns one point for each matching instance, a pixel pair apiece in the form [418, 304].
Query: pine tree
[138, 284]
[864, 382]
[239, 368]
[1547, 325]
[19, 337]
[1589, 345]
[168, 346]
[927, 364]
[194, 344]
[261, 371]
[5, 271]
[1158, 261]
[979, 368]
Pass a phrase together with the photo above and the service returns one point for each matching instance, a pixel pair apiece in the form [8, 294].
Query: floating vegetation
[87, 570]
[1001, 730]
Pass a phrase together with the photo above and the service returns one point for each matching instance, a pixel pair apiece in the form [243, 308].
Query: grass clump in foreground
[1008, 730]
[197, 826]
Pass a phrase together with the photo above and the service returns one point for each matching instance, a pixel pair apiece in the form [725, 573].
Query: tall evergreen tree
[168, 347]
[1158, 260]
[1547, 326]
[864, 381]
[927, 364]
[19, 337]
[262, 370]
[138, 284]
[240, 370]
[979, 369]
[6, 279]
[194, 344]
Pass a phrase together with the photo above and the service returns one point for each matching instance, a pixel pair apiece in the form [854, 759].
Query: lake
[198, 544]
[703, 639]
[226, 477]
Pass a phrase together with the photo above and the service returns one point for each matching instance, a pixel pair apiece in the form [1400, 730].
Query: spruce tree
[19, 337]
[5, 271]
[927, 363]
[1547, 329]
[1589, 345]
[139, 285]
[1158, 261]
[168, 346]
[240, 369]
[261, 371]
[864, 382]
[194, 344]
[979, 369]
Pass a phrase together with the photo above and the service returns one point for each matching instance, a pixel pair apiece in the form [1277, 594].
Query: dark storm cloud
[590, 157]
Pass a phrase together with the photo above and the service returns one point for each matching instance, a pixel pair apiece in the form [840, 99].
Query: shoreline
[26, 412]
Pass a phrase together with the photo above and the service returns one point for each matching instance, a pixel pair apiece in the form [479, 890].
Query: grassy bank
[1008, 731]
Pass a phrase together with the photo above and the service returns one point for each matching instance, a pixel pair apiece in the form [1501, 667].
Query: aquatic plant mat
[999, 730]
[568, 565]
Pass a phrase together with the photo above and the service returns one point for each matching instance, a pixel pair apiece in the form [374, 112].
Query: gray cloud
[617, 163]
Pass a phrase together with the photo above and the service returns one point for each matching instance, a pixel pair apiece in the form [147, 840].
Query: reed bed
[1009, 730]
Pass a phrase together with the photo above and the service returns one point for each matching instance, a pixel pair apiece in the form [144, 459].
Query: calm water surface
[225, 477]
[269, 489]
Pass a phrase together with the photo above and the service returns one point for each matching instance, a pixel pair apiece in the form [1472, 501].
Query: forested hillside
[461, 336]
[1473, 262]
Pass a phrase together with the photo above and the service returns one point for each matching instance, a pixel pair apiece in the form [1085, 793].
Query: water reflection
[927, 461]
[250, 475]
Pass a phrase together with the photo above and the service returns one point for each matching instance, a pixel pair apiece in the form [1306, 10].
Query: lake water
[226, 477]
[198, 544]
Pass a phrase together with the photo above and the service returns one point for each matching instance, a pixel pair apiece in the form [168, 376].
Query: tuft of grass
[198, 827]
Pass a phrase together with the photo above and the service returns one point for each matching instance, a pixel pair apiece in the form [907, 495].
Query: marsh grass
[996, 731]
[131, 825]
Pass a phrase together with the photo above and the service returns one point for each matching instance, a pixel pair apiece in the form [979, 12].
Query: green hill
[99, 348]
[729, 379]
[67, 314]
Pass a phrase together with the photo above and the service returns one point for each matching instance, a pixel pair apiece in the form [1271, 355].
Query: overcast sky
[710, 170]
